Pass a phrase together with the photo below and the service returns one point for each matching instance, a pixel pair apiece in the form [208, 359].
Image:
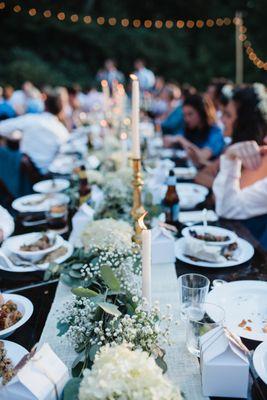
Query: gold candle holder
[138, 209]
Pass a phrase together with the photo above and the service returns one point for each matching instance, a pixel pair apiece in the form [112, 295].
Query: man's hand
[250, 153]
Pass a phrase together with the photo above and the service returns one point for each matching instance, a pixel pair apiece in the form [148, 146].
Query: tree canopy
[49, 51]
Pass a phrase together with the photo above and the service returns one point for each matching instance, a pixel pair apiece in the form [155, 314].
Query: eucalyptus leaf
[110, 308]
[47, 275]
[75, 274]
[71, 389]
[80, 358]
[92, 352]
[84, 292]
[109, 278]
[63, 327]
[77, 266]
[65, 278]
[162, 364]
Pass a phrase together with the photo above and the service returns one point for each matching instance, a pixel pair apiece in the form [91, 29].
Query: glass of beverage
[57, 216]
[202, 318]
[193, 289]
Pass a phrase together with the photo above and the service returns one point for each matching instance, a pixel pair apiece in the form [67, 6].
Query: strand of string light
[124, 22]
[251, 53]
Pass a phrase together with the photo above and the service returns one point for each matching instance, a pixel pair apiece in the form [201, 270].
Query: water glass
[201, 319]
[57, 216]
[193, 289]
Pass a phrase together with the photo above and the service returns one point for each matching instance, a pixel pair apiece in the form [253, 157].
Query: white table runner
[183, 368]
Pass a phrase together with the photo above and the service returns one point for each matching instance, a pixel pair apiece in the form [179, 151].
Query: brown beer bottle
[84, 187]
[171, 200]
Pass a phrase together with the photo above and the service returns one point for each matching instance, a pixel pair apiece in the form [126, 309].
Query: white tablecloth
[183, 368]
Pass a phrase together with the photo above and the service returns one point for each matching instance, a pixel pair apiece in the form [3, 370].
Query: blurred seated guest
[6, 108]
[165, 101]
[247, 203]
[93, 100]
[243, 120]
[110, 73]
[17, 175]
[145, 76]
[220, 91]
[159, 85]
[6, 224]
[174, 122]
[201, 137]
[34, 101]
[42, 133]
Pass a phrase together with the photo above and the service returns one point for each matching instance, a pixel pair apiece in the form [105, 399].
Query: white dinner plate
[39, 267]
[14, 243]
[260, 361]
[25, 306]
[190, 194]
[41, 202]
[51, 186]
[244, 253]
[214, 230]
[243, 300]
[185, 172]
[62, 165]
[14, 352]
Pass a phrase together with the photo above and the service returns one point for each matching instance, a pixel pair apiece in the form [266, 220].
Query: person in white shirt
[233, 201]
[42, 134]
[6, 224]
[145, 76]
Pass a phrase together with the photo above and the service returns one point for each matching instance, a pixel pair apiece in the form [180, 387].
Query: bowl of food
[33, 246]
[15, 310]
[211, 235]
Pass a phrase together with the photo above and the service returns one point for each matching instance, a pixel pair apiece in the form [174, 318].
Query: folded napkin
[197, 216]
[202, 251]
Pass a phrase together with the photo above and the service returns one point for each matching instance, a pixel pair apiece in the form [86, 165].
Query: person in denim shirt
[201, 137]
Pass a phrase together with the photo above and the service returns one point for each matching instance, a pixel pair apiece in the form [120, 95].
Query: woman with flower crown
[240, 187]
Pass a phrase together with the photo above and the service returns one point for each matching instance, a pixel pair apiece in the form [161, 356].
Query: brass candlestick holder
[138, 209]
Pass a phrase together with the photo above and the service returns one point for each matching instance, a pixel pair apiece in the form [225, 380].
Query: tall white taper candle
[146, 260]
[135, 118]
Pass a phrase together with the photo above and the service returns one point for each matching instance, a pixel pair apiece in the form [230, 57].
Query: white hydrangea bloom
[122, 374]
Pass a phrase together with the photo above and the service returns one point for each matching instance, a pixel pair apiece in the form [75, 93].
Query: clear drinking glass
[193, 289]
[57, 216]
[201, 319]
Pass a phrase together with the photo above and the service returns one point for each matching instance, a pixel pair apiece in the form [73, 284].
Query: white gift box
[80, 220]
[162, 246]
[224, 366]
[42, 378]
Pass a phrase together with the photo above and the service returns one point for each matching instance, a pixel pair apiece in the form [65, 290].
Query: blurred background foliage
[48, 51]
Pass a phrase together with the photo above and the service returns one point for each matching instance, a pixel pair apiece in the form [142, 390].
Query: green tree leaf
[63, 327]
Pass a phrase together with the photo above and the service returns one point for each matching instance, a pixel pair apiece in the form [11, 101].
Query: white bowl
[25, 306]
[14, 243]
[214, 230]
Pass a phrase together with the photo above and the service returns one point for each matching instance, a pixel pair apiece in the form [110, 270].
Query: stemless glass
[57, 216]
[193, 289]
[201, 319]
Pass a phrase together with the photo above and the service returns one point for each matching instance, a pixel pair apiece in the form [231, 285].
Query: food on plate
[9, 313]
[228, 251]
[54, 255]
[35, 202]
[242, 323]
[208, 237]
[6, 366]
[43, 243]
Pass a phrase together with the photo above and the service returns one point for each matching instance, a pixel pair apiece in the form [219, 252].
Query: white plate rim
[17, 298]
[231, 234]
[258, 361]
[226, 264]
[42, 267]
[210, 298]
[37, 187]
[43, 207]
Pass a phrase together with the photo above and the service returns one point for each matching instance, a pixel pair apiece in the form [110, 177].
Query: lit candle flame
[133, 77]
[141, 221]
[123, 136]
